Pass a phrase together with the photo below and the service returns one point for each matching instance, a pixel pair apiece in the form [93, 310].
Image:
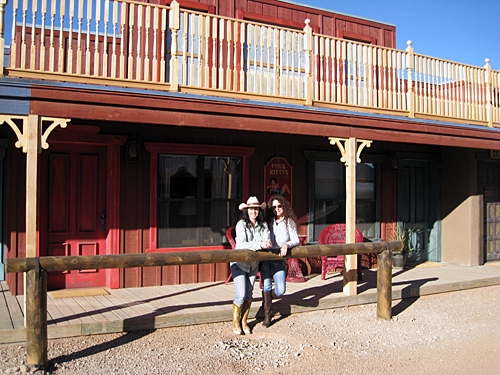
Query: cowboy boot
[245, 309]
[237, 319]
[267, 299]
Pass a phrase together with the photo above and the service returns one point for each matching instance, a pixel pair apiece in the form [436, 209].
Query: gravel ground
[451, 333]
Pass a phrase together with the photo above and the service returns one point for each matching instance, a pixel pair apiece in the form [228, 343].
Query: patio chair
[335, 234]
[231, 237]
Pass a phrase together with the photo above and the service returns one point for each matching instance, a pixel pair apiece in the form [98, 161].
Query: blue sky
[464, 31]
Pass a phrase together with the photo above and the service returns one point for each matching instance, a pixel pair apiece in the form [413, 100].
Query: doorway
[418, 207]
[489, 186]
[73, 217]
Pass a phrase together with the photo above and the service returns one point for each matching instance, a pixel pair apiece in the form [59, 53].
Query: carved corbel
[340, 142]
[22, 135]
[62, 122]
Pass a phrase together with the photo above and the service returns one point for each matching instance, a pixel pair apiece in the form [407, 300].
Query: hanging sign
[278, 179]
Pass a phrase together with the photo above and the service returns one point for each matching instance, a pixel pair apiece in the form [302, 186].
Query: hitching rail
[36, 276]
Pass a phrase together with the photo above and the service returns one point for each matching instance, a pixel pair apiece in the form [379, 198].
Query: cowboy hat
[252, 202]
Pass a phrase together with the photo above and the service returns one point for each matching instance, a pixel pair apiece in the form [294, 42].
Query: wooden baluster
[156, 12]
[97, 55]
[33, 54]
[105, 57]
[340, 73]
[374, 77]
[113, 48]
[163, 73]
[268, 61]
[131, 24]
[394, 72]
[262, 47]
[229, 55]
[61, 58]
[400, 82]
[139, 48]
[222, 36]
[184, 47]
[214, 51]
[147, 30]
[41, 57]
[203, 51]
[79, 39]
[242, 58]
[13, 43]
[366, 70]
[277, 62]
[319, 80]
[201, 56]
[255, 42]
[295, 71]
[70, 69]
[87, 44]
[123, 10]
[327, 45]
[24, 45]
[52, 63]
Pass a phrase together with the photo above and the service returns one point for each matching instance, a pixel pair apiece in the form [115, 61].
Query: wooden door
[418, 207]
[73, 216]
[489, 185]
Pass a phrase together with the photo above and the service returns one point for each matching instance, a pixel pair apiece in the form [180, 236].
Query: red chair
[231, 237]
[335, 234]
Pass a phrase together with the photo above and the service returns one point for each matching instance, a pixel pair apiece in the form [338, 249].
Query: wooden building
[135, 127]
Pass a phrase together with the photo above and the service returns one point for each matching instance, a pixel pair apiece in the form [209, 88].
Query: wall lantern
[132, 150]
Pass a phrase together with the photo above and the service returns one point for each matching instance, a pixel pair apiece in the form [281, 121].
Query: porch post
[32, 133]
[350, 157]
[350, 261]
[2, 34]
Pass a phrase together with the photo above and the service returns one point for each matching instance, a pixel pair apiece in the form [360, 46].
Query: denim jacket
[250, 237]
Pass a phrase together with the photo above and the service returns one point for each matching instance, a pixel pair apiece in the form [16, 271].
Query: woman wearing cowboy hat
[251, 233]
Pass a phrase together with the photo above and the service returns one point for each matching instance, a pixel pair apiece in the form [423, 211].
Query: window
[196, 196]
[328, 195]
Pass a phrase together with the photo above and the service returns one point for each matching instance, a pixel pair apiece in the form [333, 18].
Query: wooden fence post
[36, 317]
[384, 285]
[410, 95]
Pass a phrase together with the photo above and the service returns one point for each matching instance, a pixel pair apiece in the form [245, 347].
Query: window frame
[155, 148]
[333, 156]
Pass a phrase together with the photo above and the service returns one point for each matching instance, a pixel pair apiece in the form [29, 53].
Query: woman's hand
[265, 244]
[283, 250]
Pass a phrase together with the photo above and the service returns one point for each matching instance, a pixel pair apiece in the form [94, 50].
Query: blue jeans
[243, 282]
[273, 269]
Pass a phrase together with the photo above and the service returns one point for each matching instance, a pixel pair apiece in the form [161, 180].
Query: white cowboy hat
[252, 202]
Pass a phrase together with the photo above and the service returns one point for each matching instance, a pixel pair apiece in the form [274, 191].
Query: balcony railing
[127, 43]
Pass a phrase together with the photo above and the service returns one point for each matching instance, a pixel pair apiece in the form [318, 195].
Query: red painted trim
[199, 7]
[343, 34]
[155, 148]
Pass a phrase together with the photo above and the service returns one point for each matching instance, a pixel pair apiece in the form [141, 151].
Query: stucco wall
[462, 208]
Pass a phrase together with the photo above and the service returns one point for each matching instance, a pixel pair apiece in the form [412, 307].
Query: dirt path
[451, 333]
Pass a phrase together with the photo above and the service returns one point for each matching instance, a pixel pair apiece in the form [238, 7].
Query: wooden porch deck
[120, 310]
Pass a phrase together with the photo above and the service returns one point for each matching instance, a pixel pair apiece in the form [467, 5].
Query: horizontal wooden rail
[67, 263]
[36, 269]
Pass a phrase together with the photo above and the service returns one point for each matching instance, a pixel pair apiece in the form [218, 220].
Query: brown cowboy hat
[252, 202]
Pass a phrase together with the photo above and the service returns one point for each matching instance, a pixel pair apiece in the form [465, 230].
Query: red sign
[278, 178]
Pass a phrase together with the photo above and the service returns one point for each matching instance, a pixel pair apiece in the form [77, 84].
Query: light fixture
[132, 150]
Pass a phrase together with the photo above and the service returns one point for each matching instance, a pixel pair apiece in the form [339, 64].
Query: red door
[73, 215]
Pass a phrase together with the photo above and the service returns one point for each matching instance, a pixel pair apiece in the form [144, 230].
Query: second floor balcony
[135, 44]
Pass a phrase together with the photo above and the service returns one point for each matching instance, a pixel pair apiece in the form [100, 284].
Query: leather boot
[237, 319]
[267, 297]
[245, 309]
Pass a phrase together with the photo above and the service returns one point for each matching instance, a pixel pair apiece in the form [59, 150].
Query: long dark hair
[260, 217]
[288, 212]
